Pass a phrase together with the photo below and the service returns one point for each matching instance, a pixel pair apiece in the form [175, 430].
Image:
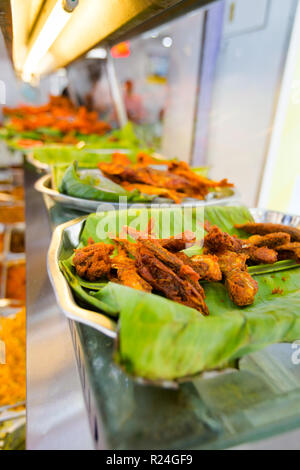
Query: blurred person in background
[133, 103]
[99, 97]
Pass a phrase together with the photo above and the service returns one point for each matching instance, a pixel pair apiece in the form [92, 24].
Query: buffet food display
[12, 309]
[203, 295]
[178, 304]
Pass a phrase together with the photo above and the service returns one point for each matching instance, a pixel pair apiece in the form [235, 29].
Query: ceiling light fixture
[53, 26]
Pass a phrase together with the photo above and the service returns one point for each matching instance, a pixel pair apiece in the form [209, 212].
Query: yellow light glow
[44, 40]
[53, 26]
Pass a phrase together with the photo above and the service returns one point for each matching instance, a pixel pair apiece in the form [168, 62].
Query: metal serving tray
[43, 185]
[66, 237]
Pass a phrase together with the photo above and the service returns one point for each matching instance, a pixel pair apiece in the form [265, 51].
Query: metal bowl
[66, 237]
[44, 186]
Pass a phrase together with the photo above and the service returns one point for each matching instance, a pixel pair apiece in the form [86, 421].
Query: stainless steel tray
[66, 237]
[43, 185]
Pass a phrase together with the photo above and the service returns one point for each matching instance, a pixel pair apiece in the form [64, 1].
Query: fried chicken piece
[230, 261]
[127, 271]
[93, 262]
[289, 251]
[171, 260]
[153, 191]
[145, 159]
[217, 241]
[164, 280]
[271, 240]
[144, 175]
[266, 228]
[179, 242]
[241, 287]
[182, 169]
[207, 267]
[119, 158]
[261, 255]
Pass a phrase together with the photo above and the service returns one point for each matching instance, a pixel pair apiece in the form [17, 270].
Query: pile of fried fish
[165, 178]
[161, 266]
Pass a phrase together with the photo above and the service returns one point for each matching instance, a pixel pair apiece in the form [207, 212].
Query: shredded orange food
[13, 372]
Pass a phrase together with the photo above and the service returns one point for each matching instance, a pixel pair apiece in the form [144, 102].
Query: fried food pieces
[127, 273]
[230, 251]
[241, 287]
[282, 238]
[93, 261]
[218, 241]
[264, 229]
[175, 180]
[162, 266]
[165, 280]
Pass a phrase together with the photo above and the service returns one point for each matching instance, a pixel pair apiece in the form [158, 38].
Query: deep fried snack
[127, 272]
[165, 280]
[241, 287]
[231, 261]
[261, 255]
[271, 240]
[177, 181]
[264, 229]
[289, 251]
[207, 267]
[217, 241]
[171, 260]
[179, 242]
[93, 262]
[153, 191]
[182, 169]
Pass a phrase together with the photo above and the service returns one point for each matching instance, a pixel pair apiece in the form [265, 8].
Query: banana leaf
[91, 184]
[163, 340]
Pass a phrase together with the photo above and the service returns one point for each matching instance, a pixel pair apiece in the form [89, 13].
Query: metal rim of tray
[63, 292]
[46, 168]
[100, 321]
[88, 205]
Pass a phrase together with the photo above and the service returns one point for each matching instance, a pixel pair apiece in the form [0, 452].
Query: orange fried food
[217, 241]
[230, 261]
[127, 271]
[271, 240]
[264, 229]
[93, 262]
[289, 251]
[241, 287]
[59, 114]
[207, 267]
[177, 181]
[163, 279]
[153, 191]
[182, 169]
[119, 158]
[261, 255]
[179, 242]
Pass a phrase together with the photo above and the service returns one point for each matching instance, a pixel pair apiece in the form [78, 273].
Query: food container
[222, 197]
[12, 264]
[66, 237]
